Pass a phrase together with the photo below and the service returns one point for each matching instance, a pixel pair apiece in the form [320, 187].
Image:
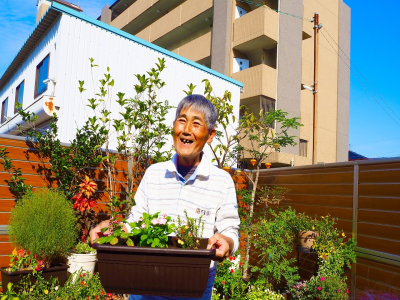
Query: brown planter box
[59, 272]
[169, 271]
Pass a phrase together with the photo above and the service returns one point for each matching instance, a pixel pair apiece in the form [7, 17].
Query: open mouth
[186, 142]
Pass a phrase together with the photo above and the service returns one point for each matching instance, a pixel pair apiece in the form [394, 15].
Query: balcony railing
[257, 81]
[257, 29]
[197, 49]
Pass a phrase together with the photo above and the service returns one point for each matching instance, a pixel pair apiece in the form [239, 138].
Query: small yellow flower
[313, 228]
[343, 234]
[46, 292]
[31, 289]
[342, 244]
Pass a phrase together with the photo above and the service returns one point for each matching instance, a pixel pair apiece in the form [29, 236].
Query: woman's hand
[222, 243]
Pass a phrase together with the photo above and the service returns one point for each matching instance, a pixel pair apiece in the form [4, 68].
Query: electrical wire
[362, 75]
[366, 89]
[278, 11]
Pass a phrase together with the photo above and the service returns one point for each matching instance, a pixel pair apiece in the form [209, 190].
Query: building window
[4, 107]
[19, 95]
[42, 73]
[303, 148]
[239, 12]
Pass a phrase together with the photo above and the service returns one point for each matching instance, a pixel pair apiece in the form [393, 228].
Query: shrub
[43, 222]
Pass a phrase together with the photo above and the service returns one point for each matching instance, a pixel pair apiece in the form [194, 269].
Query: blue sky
[374, 51]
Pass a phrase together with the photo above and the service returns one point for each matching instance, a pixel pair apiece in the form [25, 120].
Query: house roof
[70, 5]
[355, 156]
[56, 9]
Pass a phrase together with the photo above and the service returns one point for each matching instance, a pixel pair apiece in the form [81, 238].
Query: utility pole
[317, 27]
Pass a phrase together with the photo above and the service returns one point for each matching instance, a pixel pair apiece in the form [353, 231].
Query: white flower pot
[86, 262]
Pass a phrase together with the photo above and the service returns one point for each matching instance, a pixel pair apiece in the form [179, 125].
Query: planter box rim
[149, 250]
[55, 268]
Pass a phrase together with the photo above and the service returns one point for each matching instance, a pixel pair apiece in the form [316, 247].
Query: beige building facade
[268, 45]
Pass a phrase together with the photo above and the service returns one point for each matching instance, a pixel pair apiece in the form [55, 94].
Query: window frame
[17, 90]
[37, 76]
[4, 113]
[303, 145]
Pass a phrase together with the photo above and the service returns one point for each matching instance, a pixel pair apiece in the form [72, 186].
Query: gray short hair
[201, 104]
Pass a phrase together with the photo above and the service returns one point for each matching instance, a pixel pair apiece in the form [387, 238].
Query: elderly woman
[189, 182]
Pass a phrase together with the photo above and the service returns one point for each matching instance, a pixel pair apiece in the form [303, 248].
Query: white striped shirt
[210, 191]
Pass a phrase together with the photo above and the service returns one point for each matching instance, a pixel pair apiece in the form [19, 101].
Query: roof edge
[63, 9]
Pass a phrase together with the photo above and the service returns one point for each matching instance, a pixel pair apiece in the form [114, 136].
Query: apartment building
[268, 45]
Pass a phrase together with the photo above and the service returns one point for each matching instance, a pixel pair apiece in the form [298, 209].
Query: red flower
[15, 258]
[28, 253]
[21, 253]
[83, 283]
[234, 258]
[84, 274]
[102, 293]
[231, 270]
[241, 263]
[97, 297]
[109, 294]
[87, 298]
[230, 258]
[88, 187]
[223, 281]
[83, 203]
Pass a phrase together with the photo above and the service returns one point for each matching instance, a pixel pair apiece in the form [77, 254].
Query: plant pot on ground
[42, 227]
[307, 238]
[82, 257]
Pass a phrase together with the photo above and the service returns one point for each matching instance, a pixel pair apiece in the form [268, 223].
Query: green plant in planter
[44, 224]
[84, 248]
[189, 233]
[153, 230]
[87, 287]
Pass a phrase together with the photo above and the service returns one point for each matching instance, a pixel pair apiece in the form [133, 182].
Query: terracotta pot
[306, 238]
[171, 272]
[59, 272]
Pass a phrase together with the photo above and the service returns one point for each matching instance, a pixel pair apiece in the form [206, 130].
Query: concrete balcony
[258, 80]
[180, 23]
[142, 13]
[257, 29]
[197, 49]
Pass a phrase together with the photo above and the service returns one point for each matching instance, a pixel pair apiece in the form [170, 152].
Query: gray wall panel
[221, 36]
[289, 63]
[343, 83]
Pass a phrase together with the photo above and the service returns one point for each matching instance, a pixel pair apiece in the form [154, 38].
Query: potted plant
[151, 263]
[82, 256]
[305, 226]
[42, 223]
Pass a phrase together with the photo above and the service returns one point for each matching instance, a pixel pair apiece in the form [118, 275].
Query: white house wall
[76, 41]
[27, 72]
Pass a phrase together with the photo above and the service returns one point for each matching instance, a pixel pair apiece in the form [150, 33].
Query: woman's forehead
[189, 112]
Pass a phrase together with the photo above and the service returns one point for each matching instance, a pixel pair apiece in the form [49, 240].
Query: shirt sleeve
[227, 218]
[141, 203]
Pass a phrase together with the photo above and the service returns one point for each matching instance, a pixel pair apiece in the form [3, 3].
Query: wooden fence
[365, 197]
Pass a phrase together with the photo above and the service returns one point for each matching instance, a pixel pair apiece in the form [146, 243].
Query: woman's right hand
[96, 233]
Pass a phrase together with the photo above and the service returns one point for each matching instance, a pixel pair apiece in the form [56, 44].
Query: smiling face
[190, 136]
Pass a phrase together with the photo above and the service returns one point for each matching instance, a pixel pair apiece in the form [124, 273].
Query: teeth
[186, 141]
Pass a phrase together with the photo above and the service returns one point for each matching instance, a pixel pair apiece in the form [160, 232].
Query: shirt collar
[203, 169]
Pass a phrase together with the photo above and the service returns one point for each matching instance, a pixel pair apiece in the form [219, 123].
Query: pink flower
[337, 291]
[162, 221]
[154, 221]
[322, 278]
[347, 291]
[318, 288]
[164, 215]
[143, 226]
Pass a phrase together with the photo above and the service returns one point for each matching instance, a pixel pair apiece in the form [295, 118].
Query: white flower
[56, 288]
